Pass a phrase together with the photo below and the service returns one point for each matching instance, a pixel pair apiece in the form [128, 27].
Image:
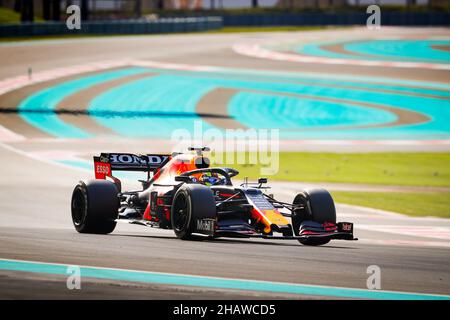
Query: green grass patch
[9, 16]
[412, 204]
[403, 169]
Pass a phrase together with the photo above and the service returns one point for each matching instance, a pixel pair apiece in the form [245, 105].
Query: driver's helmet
[210, 179]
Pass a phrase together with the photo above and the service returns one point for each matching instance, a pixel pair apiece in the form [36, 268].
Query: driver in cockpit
[211, 179]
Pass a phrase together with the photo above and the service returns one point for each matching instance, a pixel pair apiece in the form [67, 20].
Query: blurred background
[243, 11]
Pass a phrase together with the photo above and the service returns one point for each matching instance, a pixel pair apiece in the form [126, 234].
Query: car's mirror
[262, 180]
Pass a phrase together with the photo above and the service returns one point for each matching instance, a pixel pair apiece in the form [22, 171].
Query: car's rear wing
[107, 162]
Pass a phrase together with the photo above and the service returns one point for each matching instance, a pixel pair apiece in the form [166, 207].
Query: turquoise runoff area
[169, 95]
[274, 111]
[213, 283]
[48, 99]
[390, 50]
[255, 109]
[262, 101]
[309, 76]
[269, 108]
[414, 50]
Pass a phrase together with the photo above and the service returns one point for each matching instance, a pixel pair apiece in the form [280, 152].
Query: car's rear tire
[191, 202]
[95, 206]
[318, 206]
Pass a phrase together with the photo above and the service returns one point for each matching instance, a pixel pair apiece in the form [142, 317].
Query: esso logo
[102, 169]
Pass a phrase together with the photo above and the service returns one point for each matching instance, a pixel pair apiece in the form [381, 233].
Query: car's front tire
[95, 206]
[318, 206]
[191, 202]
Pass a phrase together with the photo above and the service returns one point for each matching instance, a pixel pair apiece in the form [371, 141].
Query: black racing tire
[191, 202]
[95, 206]
[318, 207]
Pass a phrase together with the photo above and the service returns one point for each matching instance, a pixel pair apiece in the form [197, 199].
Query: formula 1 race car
[182, 192]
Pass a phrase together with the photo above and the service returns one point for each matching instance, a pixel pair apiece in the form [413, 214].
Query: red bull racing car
[182, 192]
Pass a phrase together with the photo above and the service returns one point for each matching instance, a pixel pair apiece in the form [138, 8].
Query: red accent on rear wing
[102, 170]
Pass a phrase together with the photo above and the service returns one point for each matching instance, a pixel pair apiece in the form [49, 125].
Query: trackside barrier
[388, 18]
[162, 25]
[342, 18]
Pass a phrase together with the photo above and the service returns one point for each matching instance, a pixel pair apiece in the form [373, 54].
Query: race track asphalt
[35, 225]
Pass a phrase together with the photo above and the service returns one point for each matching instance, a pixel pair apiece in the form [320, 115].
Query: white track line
[7, 135]
[434, 232]
[256, 51]
[18, 82]
[39, 158]
[405, 243]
